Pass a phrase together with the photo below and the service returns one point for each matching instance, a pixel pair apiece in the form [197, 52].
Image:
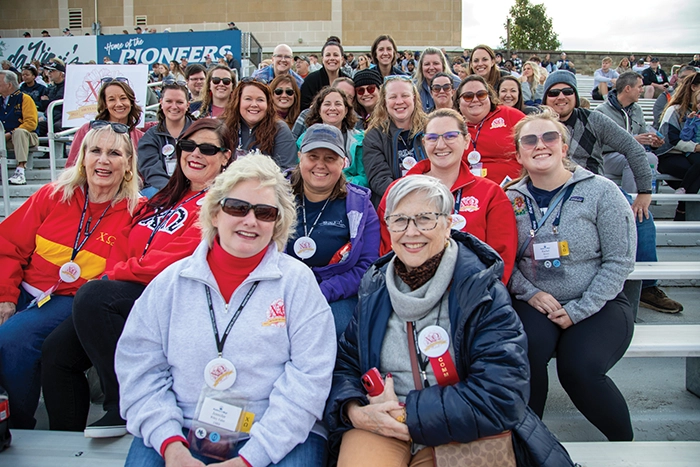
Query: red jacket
[135, 134]
[176, 239]
[484, 205]
[38, 238]
[496, 144]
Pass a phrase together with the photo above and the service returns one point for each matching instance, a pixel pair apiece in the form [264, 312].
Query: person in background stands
[31, 86]
[662, 100]
[54, 92]
[302, 63]
[604, 80]
[431, 62]
[286, 98]
[384, 56]
[196, 76]
[655, 80]
[332, 54]
[216, 93]
[282, 59]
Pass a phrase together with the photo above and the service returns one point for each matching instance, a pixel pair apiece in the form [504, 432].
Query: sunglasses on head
[287, 91]
[217, 80]
[109, 79]
[207, 149]
[117, 127]
[548, 138]
[468, 96]
[400, 77]
[250, 79]
[441, 87]
[239, 208]
[169, 81]
[369, 89]
[556, 92]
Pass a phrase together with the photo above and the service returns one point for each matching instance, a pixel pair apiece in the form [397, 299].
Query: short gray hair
[254, 166]
[10, 78]
[434, 190]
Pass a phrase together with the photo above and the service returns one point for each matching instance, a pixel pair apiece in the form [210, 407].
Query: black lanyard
[458, 200]
[88, 232]
[166, 216]
[220, 342]
[422, 362]
[563, 196]
[478, 131]
[303, 208]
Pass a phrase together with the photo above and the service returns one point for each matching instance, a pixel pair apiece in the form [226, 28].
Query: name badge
[549, 250]
[220, 414]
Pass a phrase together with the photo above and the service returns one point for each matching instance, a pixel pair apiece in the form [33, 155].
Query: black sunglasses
[287, 91]
[117, 127]
[239, 208]
[217, 80]
[109, 79]
[556, 92]
[207, 149]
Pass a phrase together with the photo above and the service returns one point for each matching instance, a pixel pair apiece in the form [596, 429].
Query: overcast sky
[622, 26]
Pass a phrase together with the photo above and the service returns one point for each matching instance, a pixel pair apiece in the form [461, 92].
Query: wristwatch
[644, 192]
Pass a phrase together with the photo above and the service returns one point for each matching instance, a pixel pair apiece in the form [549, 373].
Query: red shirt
[494, 140]
[484, 205]
[230, 271]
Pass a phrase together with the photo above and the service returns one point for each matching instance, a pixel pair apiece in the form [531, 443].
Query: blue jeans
[310, 453]
[21, 338]
[149, 191]
[343, 310]
[646, 242]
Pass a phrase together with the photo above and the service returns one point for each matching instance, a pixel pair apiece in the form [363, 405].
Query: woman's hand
[377, 418]
[561, 318]
[543, 78]
[388, 395]
[7, 309]
[544, 303]
[177, 455]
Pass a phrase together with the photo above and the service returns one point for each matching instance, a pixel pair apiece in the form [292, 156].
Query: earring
[128, 176]
[81, 170]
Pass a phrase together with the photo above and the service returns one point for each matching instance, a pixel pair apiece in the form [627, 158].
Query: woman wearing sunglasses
[442, 91]
[393, 142]
[216, 93]
[286, 98]
[51, 246]
[576, 247]
[253, 122]
[432, 61]
[492, 152]
[481, 208]
[116, 102]
[156, 149]
[367, 86]
[239, 322]
[164, 231]
[337, 232]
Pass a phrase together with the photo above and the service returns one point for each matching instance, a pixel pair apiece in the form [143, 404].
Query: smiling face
[333, 110]
[174, 104]
[368, 100]
[196, 82]
[246, 236]
[253, 105]
[349, 91]
[302, 67]
[320, 170]
[481, 62]
[332, 58]
[199, 169]
[508, 93]
[474, 110]
[282, 59]
[400, 102]
[442, 97]
[527, 70]
[542, 159]
[432, 65]
[221, 91]
[385, 53]
[445, 155]
[118, 104]
[412, 246]
[283, 101]
[105, 163]
[563, 105]
[362, 62]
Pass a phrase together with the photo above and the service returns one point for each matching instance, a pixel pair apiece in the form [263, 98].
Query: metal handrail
[3, 168]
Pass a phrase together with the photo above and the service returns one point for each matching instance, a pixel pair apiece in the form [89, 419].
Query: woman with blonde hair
[432, 61]
[532, 83]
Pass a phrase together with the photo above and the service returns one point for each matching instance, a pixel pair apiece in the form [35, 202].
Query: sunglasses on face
[217, 80]
[469, 96]
[207, 149]
[109, 79]
[548, 138]
[441, 87]
[448, 137]
[556, 92]
[117, 127]
[369, 89]
[239, 208]
[287, 91]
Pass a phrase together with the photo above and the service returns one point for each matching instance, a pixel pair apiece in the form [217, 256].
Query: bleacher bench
[636, 454]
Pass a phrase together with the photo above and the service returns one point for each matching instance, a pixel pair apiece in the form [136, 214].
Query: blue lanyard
[458, 200]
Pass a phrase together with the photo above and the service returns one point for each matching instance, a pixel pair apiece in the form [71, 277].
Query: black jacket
[313, 83]
[490, 350]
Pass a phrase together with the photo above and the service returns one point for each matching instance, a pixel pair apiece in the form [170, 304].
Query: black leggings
[685, 168]
[585, 353]
[87, 338]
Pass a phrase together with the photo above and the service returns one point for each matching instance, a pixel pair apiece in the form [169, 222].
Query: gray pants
[615, 164]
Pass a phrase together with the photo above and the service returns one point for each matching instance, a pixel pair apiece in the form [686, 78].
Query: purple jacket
[342, 280]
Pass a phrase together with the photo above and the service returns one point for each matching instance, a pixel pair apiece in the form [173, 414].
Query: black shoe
[109, 426]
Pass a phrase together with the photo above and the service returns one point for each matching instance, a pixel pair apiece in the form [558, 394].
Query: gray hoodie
[598, 225]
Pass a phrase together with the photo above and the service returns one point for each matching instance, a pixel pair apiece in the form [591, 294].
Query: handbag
[489, 451]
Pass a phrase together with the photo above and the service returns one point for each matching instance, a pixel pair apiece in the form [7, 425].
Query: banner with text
[69, 49]
[164, 47]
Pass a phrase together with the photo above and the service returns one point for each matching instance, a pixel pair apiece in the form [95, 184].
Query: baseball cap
[321, 135]
[55, 66]
[302, 57]
[655, 59]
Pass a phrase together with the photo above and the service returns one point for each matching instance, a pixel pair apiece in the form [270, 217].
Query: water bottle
[653, 178]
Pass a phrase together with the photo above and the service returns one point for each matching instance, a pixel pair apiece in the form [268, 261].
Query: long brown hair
[519, 103]
[161, 115]
[493, 97]
[266, 130]
[494, 74]
[103, 113]
[205, 94]
[315, 110]
[295, 109]
[683, 96]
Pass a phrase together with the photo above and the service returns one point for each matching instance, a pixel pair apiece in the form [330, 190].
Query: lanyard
[166, 216]
[478, 131]
[458, 200]
[220, 342]
[422, 362]
[303, 208]
[77, 245]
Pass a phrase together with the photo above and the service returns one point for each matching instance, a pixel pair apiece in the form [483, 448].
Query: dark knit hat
[559, 77]
[366, 77]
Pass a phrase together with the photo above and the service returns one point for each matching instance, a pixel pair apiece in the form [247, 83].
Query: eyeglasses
[448, 137]
[207, 149]
[468, 96]
[239, 208]
[556, 92]
[170, 81]
[548, 138]
[283, 57]
[287, 91]
[217, 80]
[424, 221]
[400, 77]
[117, 127]
[441, 87]
[369, 89]
[109, 79]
